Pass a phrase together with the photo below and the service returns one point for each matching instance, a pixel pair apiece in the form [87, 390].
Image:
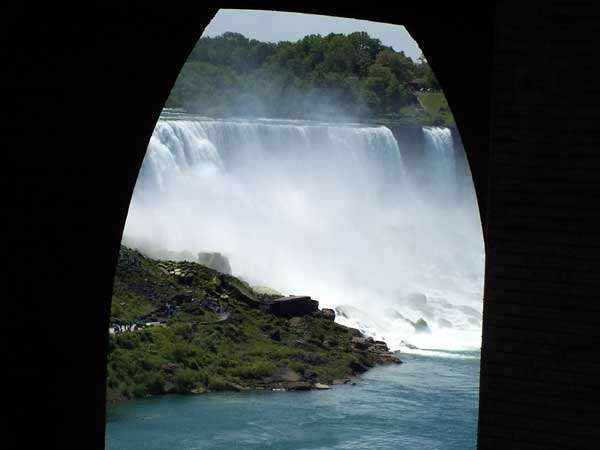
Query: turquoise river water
[428, 403]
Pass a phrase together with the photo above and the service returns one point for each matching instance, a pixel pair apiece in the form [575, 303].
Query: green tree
[354, 74]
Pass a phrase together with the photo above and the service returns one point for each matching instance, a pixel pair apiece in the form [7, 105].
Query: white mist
[323, 210]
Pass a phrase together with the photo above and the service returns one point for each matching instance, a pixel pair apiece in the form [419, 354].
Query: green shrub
[217, 383]
[184, 379]
[255, 370]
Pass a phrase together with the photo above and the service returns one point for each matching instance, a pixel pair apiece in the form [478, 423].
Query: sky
[274, 26]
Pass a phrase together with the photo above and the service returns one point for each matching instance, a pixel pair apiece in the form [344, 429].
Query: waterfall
[326, 210]
[178, 146]
[439, 165]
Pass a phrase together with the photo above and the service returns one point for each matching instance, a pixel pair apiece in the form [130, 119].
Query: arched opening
[539, 361]
[374, 215]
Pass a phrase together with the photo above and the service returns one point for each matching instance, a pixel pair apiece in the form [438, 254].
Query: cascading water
[323, 210]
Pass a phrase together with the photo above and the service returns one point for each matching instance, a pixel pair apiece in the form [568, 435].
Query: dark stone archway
[82, 90]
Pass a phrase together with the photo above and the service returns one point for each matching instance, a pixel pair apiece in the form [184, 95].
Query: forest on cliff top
[344, 76]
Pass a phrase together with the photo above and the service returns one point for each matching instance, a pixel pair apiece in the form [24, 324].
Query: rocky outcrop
[182, 271]
[421, 326]
[379, 349]
[361, 343]
[188, 305]
[215, 261]
[358, 367]
[328, 313]
[293, 306]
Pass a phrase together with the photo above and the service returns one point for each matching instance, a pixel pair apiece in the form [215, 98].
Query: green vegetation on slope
[218, 338]
[436, 108]
[316, 77]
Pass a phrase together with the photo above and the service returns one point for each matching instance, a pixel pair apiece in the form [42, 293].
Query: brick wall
[540, 366]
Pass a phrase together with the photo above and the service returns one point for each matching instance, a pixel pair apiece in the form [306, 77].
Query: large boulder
[215, 261]
[328, 313]
[379, 347]
[293, 306]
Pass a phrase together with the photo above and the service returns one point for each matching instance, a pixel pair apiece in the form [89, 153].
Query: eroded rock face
[293, 306]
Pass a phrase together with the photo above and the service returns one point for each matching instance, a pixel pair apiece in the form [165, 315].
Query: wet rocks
[357, 367]
[379, 349]
[297, 386]
[387, 358]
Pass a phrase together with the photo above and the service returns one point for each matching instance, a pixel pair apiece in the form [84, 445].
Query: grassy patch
[266, 290]
[437, 111]
[216, 338]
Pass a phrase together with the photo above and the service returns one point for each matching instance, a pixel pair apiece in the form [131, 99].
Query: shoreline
[353, 380]
[187, 329]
